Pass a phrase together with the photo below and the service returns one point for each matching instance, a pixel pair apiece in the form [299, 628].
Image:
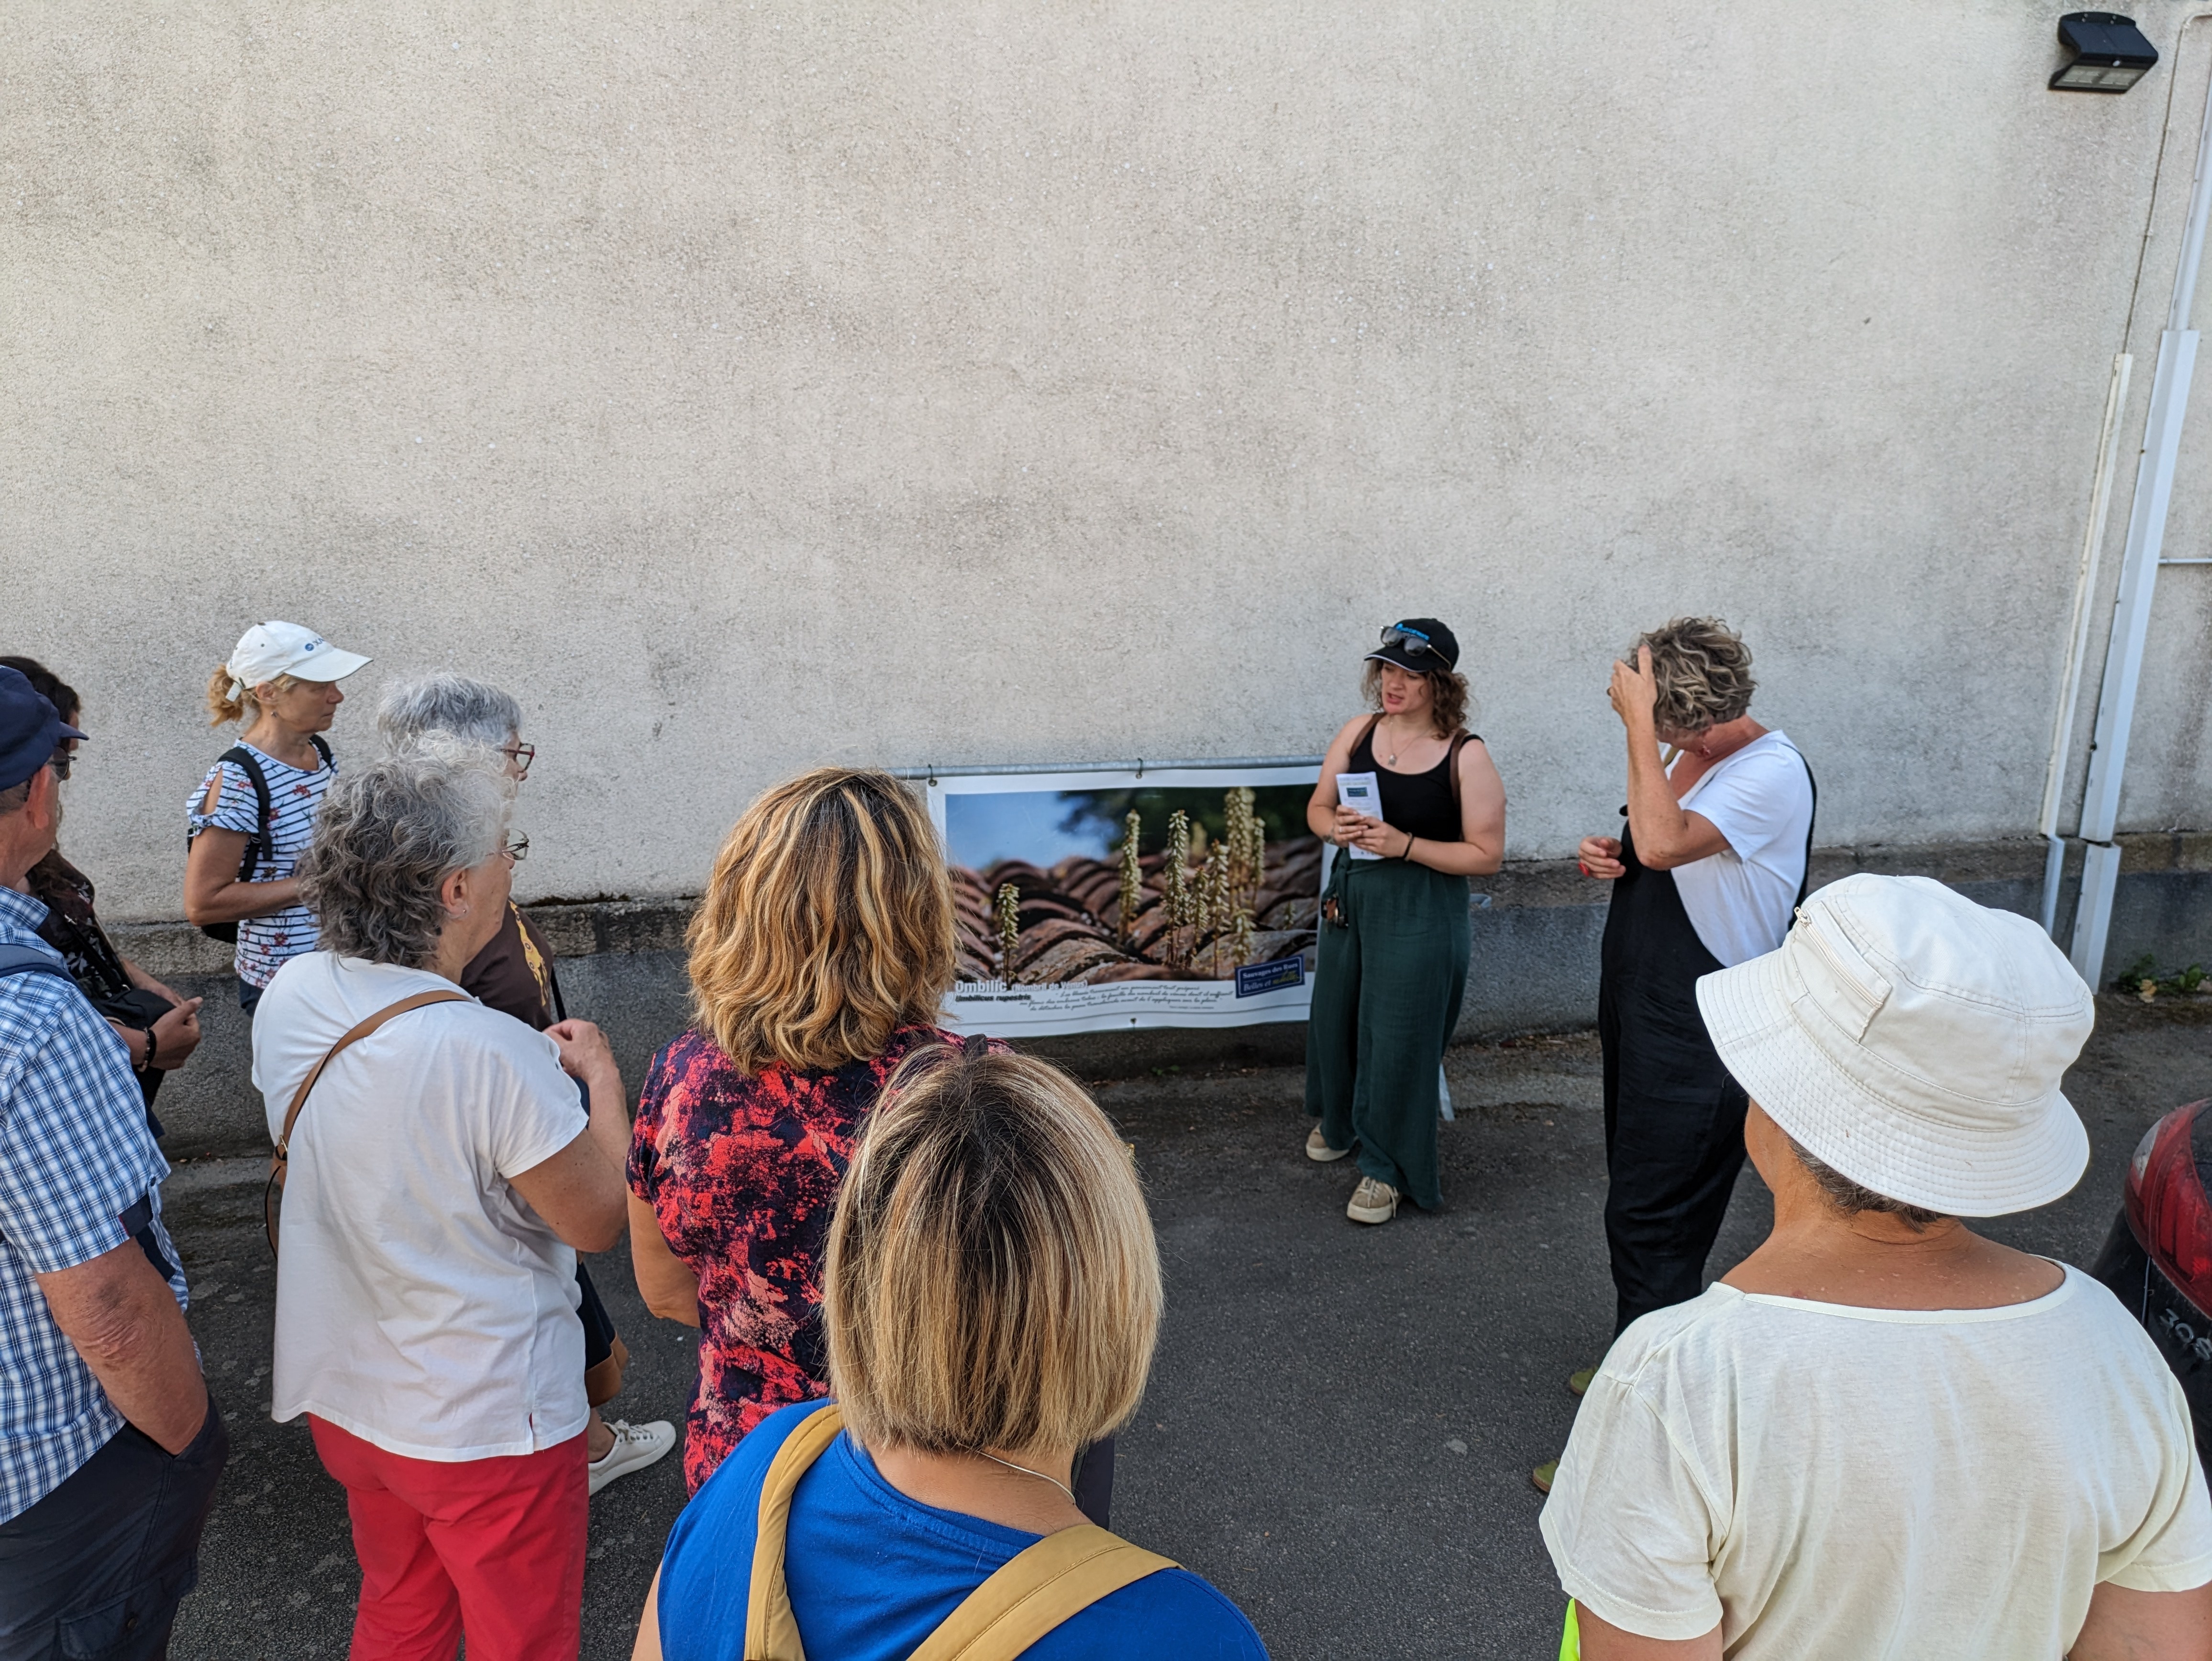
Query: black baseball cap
[30, 729]
[1421, 644]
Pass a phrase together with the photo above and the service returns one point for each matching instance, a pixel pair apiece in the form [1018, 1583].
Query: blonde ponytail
[222, 706]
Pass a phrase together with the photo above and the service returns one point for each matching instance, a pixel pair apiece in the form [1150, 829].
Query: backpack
[1029, 1595]
[258, 847]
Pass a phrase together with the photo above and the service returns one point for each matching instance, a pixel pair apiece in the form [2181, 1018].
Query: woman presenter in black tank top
[1393, 934]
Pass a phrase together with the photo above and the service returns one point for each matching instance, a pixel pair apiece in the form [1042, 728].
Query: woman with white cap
[1882, 1433]
[254, 813]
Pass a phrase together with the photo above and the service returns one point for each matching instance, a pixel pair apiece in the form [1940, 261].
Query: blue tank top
[871, 1572]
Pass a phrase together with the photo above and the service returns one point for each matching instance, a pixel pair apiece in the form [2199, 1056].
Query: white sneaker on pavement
[636, 1447]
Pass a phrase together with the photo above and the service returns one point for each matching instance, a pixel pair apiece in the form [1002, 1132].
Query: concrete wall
[753, 386]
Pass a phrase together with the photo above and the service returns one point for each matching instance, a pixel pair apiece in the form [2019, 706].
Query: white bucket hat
[269, 649]
[1914, 1042]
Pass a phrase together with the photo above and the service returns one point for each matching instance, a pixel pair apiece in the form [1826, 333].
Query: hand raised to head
[1635, 689]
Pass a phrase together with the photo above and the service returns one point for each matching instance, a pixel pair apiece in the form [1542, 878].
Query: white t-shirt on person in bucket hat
[1825, 1481]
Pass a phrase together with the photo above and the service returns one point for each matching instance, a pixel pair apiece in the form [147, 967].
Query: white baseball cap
[1915, 1042]
[269, 649]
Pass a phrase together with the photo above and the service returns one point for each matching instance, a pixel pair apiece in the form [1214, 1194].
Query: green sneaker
[1544, 1474]
[1578, 1383]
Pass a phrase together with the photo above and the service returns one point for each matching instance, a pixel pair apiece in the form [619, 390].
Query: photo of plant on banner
[1182, 898]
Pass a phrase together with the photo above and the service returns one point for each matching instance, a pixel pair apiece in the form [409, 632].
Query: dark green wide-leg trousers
[1387, 990]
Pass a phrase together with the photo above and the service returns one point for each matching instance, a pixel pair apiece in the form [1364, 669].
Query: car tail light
[2167, 1202]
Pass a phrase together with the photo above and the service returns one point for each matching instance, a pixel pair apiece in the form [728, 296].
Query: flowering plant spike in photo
[1133, 876]
[1007, 913]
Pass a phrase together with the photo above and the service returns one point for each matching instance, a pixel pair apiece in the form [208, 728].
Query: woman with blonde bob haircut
[991, 1302]
[821, 952]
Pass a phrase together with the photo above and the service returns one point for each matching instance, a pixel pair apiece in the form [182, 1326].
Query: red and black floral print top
[742, 1170]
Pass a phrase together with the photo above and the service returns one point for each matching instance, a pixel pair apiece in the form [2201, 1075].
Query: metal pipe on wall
[2077, 638]
[2116, 697]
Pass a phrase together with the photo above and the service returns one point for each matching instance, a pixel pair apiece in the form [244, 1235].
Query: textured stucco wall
[751, 386]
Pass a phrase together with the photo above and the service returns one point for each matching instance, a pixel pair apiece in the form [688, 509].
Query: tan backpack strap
[353, 1035]
[1459, 814]
[1056, 1580]
[771, 1631]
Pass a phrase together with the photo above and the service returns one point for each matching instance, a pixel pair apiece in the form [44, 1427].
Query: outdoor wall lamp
[2110, 52]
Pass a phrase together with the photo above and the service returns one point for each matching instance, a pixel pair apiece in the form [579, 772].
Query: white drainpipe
[2116, 697]
[2077, 640]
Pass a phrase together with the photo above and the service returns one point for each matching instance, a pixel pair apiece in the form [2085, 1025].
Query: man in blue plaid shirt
[110, 1445]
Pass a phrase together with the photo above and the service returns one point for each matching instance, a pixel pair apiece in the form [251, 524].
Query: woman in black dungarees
[1706, 873]
[1673, 1118]
[1393, 949]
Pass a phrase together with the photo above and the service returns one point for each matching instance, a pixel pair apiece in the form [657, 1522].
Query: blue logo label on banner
[1254, 978]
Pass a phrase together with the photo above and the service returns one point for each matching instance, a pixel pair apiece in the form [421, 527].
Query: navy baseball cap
[30, 729]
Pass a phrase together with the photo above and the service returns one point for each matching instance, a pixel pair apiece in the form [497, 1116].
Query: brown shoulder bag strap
[1458, 744]
[280, 1160]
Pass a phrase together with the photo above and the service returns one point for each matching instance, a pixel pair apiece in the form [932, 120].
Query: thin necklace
[1391, 760]
[1039, 1475]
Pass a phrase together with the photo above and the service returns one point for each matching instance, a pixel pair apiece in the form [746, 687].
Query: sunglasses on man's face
[1412, 640]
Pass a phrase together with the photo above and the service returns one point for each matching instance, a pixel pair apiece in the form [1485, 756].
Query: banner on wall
[1095, 900]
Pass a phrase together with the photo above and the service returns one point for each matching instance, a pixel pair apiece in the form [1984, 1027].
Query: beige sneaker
[1319, 1151]
[1372, 1202]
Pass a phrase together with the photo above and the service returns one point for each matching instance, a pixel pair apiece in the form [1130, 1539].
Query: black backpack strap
[322, 749]
[260, 846]
[1805, 885]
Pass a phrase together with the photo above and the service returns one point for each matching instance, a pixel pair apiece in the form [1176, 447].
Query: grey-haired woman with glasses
[514, 973]
[1393, 953]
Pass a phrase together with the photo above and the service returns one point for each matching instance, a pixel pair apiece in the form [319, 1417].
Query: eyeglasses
[61, 761]
[1412, 640]
[521, 755]
[517, 848]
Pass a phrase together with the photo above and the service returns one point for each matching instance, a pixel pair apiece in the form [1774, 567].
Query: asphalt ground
[1341, 1422]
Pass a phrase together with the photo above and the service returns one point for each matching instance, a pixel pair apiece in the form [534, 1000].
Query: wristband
[1408, 854]
[153, 1048]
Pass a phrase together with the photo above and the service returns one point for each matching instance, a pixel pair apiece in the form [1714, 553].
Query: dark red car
[2158, 1258]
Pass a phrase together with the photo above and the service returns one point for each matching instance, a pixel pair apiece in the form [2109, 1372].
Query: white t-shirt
[421, 1304]
[1761, 799]
[1828, 1483]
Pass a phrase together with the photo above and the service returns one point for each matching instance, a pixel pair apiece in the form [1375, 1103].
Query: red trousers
[493, 1548]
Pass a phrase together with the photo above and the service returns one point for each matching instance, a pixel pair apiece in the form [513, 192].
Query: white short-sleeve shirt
[1826, 1483]
[421, 1304]
[1740, 899]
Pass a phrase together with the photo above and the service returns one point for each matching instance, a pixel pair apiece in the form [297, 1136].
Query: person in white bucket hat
[253, 813]
[1883, 1434]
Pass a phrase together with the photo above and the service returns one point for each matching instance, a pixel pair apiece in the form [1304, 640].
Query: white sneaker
[636, 1447]
[1372, 1202]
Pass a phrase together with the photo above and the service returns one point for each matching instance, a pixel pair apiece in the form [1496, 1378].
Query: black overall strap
[1805, 883]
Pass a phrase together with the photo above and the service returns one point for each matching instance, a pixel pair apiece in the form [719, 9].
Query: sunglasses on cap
[1412, 639]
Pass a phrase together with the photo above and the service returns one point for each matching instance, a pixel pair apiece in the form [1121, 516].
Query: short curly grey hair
[1702, 669]
[444, 703]
[387, 836]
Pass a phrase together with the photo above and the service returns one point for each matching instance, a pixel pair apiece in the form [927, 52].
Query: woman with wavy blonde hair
[820, 953]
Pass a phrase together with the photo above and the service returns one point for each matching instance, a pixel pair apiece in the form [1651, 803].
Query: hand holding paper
[1360, 792]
